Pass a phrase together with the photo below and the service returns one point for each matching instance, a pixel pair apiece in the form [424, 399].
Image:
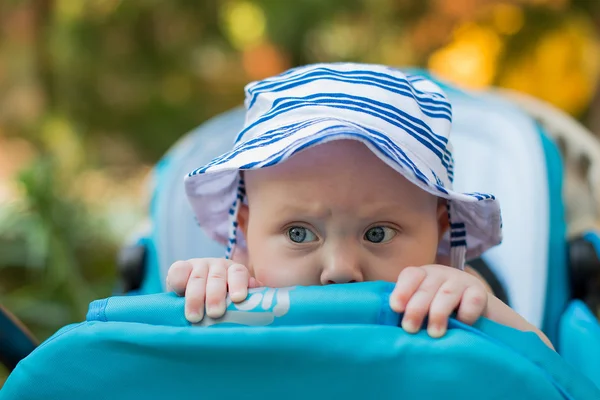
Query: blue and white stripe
[233, 222]
[404, 119]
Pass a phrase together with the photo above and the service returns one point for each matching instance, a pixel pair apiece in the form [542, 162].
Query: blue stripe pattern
[394, 116]
[428, 104]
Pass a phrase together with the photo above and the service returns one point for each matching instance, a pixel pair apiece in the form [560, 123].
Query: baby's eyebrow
[386, 207]
[383, 208]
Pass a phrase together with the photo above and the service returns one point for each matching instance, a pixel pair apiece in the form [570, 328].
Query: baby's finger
[216, 290]
[472, 305]
[418, 305]
[444, 303]
[178, 276]
[195, 292]
[408, 282]
[238, 282]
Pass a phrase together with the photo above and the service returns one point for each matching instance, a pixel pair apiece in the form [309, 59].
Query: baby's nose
[329, 282]
[342, 266]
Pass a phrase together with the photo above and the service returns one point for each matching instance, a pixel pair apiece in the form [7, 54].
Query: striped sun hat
[404, 119]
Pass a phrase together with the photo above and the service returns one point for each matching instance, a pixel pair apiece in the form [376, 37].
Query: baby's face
[335, 214]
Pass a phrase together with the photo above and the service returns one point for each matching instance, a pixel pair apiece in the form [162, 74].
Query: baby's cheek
[284, 274]
[388, 274]
[387, 266]
[274, 279]
[422, 251]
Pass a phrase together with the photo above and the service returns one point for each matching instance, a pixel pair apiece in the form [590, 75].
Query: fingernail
[396, 305]
[215, 311]
[194, 317]
[237, 296]
[210, 310]
[409, 326]
[435, 331]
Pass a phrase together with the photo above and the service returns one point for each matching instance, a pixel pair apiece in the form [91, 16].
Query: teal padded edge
[521, 350]
[207, 364]
[557, 287]
[580, 340]
[366, 303]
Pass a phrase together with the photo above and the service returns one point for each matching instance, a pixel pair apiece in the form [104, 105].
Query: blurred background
[92, 94]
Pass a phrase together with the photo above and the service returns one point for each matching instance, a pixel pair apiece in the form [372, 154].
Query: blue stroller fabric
[338, 341]
[580, 340]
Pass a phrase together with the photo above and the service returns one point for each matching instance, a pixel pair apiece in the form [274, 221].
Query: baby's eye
[380, 234]
[299, 234]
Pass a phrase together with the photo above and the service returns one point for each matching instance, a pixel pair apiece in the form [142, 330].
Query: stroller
[343, 341]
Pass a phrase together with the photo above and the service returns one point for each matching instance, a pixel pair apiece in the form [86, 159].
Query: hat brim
[212, 188]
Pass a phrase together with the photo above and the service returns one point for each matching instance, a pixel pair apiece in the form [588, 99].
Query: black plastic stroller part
[131, 262]
[584, 268]
[16, 342]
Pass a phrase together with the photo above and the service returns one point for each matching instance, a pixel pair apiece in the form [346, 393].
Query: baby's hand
[205, 282]
[437, 291]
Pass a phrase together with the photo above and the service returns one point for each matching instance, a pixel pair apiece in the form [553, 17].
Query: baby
[343, 173]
